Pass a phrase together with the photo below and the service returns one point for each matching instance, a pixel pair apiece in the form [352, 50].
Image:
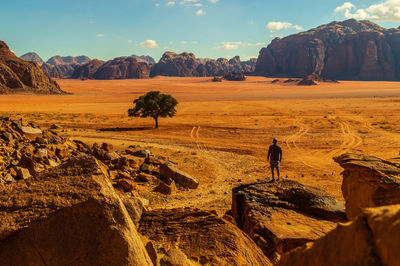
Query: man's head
[274, 141]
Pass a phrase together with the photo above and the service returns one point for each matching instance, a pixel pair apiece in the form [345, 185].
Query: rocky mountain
[67, 60]
[118, 68]
[144, 59]
[32, 57]
[18, 75]
[347, 50]
[187, 65]
[63, 67]
[86, 71]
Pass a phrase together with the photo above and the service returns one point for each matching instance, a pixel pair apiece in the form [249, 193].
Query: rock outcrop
[118, 68]
[122, 68]
[283, 215]
[187, 65]
[144, 59]
[202, 236]
[87, 71]
[63, 66]
[17, 75]
[32, 57]
[347, 50]
[372, 239]
[68, 215]
[368, 182]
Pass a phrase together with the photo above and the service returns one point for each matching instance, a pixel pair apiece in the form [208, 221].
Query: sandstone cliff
[187, 65]
[348, 50]
[17, 75]
[63, 67]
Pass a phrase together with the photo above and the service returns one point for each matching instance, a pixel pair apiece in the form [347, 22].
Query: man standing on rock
[274, 157]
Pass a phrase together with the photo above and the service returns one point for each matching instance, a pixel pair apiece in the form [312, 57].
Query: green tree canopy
[154, 104]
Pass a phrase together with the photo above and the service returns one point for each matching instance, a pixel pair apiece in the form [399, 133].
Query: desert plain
[222, 130]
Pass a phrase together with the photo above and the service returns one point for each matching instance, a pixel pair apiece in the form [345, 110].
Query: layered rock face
[118, 68]
[144, 59]
[32, 57]
[348, 50]
[368, 182]
[202, 236]
[122, 68]
[372, 239]
[63, 67]
[282, 216]
[17, 75]
[60, 215]
[187, 65]
[86, 71]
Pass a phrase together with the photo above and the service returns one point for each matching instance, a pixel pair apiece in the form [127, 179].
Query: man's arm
[269, 153]
[280, 155]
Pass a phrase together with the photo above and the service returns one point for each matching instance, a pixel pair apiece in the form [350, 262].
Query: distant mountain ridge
[32, 57]
[347, 50]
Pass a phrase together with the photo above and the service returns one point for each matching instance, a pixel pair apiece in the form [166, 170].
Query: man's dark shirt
[275, 153]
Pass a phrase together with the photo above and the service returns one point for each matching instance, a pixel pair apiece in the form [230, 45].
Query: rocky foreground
[63, 202]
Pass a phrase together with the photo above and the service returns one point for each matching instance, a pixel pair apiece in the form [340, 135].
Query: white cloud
[200, 12]
[100, 35]
[149, 44]
[385, 11]
[183, 42]
[230, 46]
[130, 41]
[157, 5]
[213, 1]
[170, 3]
[344, 7]
[260, 44]
[275, 26]
[198, 5]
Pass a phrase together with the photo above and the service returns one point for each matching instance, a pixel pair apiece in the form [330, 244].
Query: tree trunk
[156, 120]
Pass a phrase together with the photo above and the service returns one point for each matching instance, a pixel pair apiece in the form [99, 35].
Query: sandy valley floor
[222, 130]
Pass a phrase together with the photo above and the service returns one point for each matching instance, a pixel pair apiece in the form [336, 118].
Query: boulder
[126, 184]
[69, 215]
[371, 239]
[134, 206]
[165, 189]
[175, 257]
[183, 179]
[202, 236]
[30, 130]
[283, 215]
[368, 181]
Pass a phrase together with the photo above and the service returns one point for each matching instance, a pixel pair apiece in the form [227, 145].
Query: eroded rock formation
[368, 182]
[17, 75]
[32, 57]
[63, 66]
[202, 236]
[284, 215]
[56, 218]
[372, 239]
[347, 50]
[187, 65]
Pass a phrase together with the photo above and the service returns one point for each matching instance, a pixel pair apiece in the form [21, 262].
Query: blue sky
[208, 28]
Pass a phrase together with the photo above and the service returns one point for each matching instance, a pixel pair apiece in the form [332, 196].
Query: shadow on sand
[125, 129]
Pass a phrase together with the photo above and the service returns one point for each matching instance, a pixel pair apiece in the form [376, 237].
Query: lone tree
[154, 104]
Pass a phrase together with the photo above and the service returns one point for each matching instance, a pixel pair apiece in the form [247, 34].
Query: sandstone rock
[30, 130]
[55, 126]
[184, 180]
[283, 215]
[142, 177]
[22, 173]
[122, 68]
[60, 216]
[126, 184]
[63, 66]
[202, 236]
[372, 239]
[86, 71]
[351, 49]
[368, 182]
[62, 151]
[235, 76]
[175, 257]
[165, 189]
[17, 75]
[107, 147]
[152, 252]
[135, 207]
